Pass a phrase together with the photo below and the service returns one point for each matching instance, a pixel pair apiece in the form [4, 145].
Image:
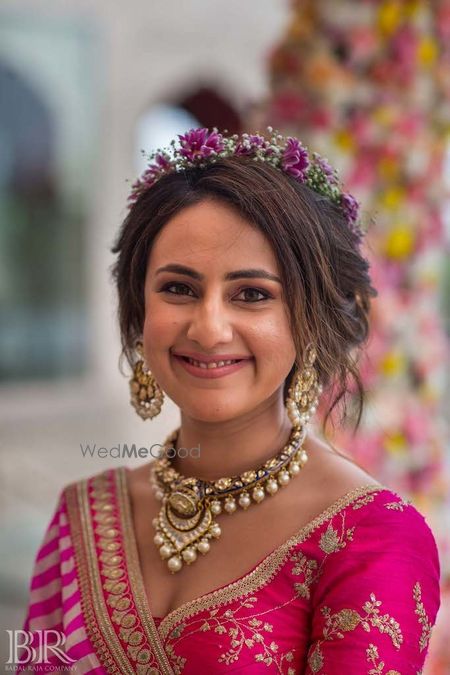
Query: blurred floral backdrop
[367, 84]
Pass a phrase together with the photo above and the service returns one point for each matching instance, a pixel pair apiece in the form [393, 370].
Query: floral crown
[201, 147]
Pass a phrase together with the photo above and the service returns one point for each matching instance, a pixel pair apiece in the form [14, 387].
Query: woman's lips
[210, 373]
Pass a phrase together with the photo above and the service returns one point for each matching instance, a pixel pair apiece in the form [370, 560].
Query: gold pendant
[184, 526]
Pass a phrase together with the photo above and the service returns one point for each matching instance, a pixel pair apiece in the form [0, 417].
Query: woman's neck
[216, 450]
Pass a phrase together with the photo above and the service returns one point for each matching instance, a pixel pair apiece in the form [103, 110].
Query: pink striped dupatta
[354, 591]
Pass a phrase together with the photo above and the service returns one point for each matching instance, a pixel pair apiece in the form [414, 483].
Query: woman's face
[202, 312]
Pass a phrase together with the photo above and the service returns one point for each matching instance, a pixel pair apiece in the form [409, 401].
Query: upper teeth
[210, 364]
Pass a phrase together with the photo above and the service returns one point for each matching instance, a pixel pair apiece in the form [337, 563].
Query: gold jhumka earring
[185, 524]
[304, 392]
[147, 396]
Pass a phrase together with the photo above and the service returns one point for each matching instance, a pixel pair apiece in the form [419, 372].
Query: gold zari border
[97, 516]
[98, 628]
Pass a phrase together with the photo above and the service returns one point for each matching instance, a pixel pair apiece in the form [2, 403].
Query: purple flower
[162, 162]
[295, 159]
[160, 165]
[350, 207]
[199, 143]
[256, 139]
[327, 169]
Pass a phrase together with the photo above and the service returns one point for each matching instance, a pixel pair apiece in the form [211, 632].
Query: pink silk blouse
[354, 591]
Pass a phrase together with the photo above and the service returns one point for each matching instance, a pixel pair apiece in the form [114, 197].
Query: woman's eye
[265, 296]
[175, 284]
[183, 289]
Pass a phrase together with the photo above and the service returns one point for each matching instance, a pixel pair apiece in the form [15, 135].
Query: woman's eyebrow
[252, 273]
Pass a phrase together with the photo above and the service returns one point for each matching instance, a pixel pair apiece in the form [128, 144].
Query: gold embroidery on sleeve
[362, 502]
[423, 618]
[346, 620]
[330, 542]
[307, 568]
[385, 623]
[373, 657]
[397, 506]
[315, 658]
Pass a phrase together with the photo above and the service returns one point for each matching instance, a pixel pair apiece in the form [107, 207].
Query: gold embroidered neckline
[249, 582]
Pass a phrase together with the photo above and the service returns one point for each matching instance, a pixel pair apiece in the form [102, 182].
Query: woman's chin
[211, 415]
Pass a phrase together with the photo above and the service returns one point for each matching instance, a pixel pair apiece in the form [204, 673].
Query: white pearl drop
[158, 539]
[230, 506]
[203, 546]
[174, 563]
[284, 478]
[165, 551]
[294, 468]
[189, 555]
[215, 530]
[244, 501]
[216, 508]
[272, 486]
[258, 494]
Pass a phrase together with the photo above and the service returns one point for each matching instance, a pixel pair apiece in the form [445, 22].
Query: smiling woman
[220, 317]
[243, 295]
[314, 253]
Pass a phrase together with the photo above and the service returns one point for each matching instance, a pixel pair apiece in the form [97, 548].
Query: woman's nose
[210, 323]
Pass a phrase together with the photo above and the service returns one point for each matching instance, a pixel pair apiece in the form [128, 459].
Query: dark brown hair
[326, 282]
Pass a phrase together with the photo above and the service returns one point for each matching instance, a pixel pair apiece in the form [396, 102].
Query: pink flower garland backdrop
[367, 84]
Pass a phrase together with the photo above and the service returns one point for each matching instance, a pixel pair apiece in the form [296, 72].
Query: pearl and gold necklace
[185, 524]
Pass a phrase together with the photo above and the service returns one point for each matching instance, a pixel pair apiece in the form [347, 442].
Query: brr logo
[38, 644]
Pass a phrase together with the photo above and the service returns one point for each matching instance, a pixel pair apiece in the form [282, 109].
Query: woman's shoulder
[374, 527]
[374, 511]
[369, 514]
[385, 512]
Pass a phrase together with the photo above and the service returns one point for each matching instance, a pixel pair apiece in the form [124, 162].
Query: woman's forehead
[211, 234]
